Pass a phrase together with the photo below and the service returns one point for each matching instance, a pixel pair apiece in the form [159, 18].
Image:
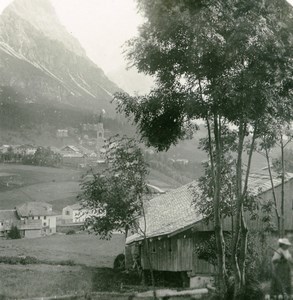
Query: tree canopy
[227, 62]
[228, 57]
[115, 195]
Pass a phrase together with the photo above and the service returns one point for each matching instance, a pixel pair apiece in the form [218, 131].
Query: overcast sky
[102, 27]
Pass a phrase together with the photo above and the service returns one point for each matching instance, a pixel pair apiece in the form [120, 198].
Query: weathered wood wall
[176, 254]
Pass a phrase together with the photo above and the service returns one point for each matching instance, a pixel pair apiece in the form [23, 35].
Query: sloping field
[56, 186]
[82, 248]
[29, 281]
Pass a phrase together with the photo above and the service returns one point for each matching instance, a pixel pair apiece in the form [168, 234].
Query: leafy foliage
[227, 62]
[115, 196]
[46, 157]
[208, 56]
[14, 233]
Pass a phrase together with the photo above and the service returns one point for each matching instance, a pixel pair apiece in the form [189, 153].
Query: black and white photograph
[146, 149]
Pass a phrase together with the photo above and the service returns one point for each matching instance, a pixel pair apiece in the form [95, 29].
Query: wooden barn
[174, 228]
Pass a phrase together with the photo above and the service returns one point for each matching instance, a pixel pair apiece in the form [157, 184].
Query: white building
[75, 213]
[39, 211]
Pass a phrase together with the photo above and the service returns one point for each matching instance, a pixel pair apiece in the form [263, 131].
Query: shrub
[14, 233]
[71, 231]
[119, 262]
[15, 260]
[68, 262]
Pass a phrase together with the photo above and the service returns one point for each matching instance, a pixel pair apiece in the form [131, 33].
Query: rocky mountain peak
[42, 61]
[42, 16]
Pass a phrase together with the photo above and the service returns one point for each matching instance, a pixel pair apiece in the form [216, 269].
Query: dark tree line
[42, 157]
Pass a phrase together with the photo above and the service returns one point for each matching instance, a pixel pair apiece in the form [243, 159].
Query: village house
[174, 228]
[73, 156]
[62, 133]
[4, 148]
[8, 217]
[26, 149]
[40, 212]
[27, 228]
[74, 214]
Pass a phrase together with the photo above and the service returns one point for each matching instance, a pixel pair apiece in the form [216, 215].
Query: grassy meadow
[58, 186]
[82, 248]
[92, 259]
[90, 271]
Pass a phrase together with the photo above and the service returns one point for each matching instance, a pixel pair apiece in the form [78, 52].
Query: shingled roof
[8, 215]
[173, 211]
[35, 209]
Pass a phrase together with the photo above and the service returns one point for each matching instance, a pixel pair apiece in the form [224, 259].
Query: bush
[14, 233]
[68, 262]
[15, 260]
[119, 262]
[71, 231]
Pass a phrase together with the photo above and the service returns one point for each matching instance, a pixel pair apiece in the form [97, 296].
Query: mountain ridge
[38, 62]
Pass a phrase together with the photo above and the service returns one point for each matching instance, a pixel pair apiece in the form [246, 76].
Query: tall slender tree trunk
[147, 250]
[282, 188]
[273, 192]
[243, 250]
[220, 242]
[238, 216]
[241, 231]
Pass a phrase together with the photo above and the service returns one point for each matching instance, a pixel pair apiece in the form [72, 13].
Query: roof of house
[8, 215]
[173, 211]
[27, 146]
[35, 209]
[70, 147]
[76, 206]
[154, 189]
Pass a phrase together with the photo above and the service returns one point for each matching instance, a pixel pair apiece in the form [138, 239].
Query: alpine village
[146, 149]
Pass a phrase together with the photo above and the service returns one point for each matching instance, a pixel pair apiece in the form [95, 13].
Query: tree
[46, 157]
[226, 62]
[115, 195]
[279, 135]
[14, 233]
[9, 155]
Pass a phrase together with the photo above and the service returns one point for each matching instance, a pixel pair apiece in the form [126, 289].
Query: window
[39, 217]
[45, 224]
[67, 213]
[45, 217]
[2, 223]
[33, 218]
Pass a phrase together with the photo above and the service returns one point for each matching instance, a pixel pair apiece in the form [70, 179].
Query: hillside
[43, 63]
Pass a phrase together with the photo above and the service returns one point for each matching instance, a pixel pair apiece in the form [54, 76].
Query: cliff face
[42, 61]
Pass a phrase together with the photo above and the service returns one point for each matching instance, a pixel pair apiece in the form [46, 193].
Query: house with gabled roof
[41, 212]
[26, 149]
[71, 151]
[174, 227]
[27, 228]
[8, 217]
[74, 213]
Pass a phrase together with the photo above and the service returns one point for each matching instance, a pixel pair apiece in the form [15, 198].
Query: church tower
[100, 137]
